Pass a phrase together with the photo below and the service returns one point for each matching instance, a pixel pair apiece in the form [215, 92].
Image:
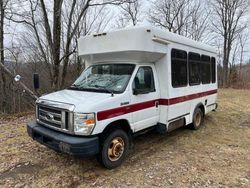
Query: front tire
[198, 119]
[114, 149]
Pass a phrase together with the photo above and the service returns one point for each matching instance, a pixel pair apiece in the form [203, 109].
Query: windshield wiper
[97, 88]
[73, 86]
[77, 87]
[105, 89]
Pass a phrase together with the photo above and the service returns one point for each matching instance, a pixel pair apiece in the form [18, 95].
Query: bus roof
[135, 41]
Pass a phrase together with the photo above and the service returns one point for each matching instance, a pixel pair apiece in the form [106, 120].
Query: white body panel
[149, 116]
[143, 47]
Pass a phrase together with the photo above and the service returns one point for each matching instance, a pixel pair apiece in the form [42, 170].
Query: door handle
[156, 104]
[124, 103]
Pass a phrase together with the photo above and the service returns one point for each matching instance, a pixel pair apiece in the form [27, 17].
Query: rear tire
[198, 119]
[114, 148]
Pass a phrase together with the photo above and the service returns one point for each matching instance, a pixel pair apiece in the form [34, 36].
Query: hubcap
[116, 149]
[198, 119]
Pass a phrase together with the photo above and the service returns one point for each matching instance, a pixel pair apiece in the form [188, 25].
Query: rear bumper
[60, 142]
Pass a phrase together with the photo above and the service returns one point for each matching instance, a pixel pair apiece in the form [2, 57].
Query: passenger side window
[179, 68]
[194, 68]
[144, 81]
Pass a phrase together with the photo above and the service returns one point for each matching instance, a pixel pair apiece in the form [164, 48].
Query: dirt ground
[217, 155]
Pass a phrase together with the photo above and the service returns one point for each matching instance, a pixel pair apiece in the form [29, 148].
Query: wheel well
[119, 124]
[201, 106]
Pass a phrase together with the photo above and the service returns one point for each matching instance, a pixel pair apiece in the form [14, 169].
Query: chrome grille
[55, 115]
[50, 116]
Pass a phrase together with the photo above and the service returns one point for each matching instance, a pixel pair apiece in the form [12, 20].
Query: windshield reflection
[109, 78]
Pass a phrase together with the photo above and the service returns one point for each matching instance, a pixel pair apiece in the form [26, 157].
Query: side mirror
[36, 82]
[17, 78]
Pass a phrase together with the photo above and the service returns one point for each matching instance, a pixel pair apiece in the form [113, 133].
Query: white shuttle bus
[135, 79]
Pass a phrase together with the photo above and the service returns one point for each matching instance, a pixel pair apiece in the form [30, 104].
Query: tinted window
[179, 68]
[205, 69]
[213, 69]
[144, 80]
[194, 68]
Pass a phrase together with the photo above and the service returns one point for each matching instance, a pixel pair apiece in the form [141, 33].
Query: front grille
[53, 117]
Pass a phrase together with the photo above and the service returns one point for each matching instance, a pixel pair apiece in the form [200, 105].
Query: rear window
[213, 69]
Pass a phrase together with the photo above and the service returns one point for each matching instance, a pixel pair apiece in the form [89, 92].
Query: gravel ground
[217, 155]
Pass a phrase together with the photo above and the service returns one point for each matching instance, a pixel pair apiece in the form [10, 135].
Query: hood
[77, 98]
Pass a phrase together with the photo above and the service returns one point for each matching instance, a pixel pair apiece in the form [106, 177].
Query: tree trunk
[225, 64]
[55, 79]
[3, 88]
[64, 71]
[56, 42]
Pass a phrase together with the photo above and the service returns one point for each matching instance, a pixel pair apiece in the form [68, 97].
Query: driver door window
[144, 81]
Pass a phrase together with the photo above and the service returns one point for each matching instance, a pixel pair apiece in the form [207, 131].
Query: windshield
[110, 78]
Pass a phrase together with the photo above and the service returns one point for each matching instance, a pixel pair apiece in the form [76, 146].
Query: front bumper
[60, 142]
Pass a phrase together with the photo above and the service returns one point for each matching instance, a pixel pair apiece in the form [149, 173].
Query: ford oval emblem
[49, 116]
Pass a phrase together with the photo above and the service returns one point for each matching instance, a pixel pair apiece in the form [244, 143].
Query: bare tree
[169, 14]
[185, 17]
[130, 13]
[243, 38]
[227, 23]
[198, 25]
[3, 5]
[94, 19]
[48, 29]
[7, 92]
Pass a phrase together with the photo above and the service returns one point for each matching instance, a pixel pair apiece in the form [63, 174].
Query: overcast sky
[13, 31]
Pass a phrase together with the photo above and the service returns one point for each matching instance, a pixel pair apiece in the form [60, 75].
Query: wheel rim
[116, 149]
[198, 119]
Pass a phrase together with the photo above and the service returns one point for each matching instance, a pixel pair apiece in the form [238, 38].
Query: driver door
[144, 98]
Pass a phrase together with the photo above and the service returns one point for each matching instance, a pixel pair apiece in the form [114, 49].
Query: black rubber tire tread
[105, 140]
[193, 126]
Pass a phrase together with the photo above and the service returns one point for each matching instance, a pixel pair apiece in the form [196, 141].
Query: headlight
[84, 123]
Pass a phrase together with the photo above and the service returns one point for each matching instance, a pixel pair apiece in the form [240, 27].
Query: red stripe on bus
[124, 110]
[106, 114]
[191, 97]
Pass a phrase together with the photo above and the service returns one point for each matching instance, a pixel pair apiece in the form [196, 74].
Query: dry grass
[217, 155]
